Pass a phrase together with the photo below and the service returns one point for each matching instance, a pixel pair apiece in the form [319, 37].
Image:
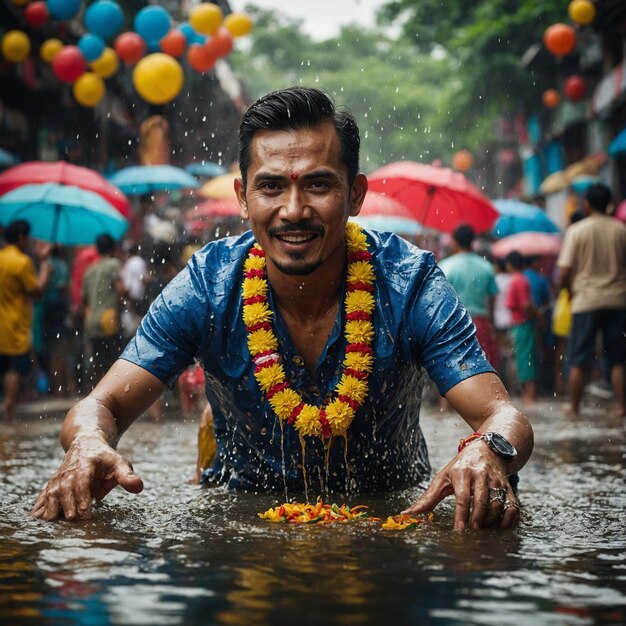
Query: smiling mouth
[293, 238]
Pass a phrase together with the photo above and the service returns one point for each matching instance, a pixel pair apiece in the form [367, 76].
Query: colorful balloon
[49, 49]
[238, 24]
[174, 43]
[15, 46]
[551, 98]
[91, 46]
[158, 78]
[221, 43]
[36, 13]
[130, 47]
[153, 23]
[206, 18]
[107, 64]
[104, 18]
[89, 89]
[582, 11]
[69, 64]
[463, 160]
[560, 39]
[575, 88]
[200, 58]
[63, 9]
[190, 34]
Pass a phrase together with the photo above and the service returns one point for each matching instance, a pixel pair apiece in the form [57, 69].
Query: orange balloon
[174, 43]
[551, 98]
[463, 160]
[560, 39]
[200, 57]
[221, 43]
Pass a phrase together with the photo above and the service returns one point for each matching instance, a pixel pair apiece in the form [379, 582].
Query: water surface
[179, 554]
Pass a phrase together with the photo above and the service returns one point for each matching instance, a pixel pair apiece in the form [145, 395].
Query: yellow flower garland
[335, 417]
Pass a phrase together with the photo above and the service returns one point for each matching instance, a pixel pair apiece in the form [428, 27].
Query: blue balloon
[104, 18]
[191, 35]
[91, 46]
[153, 23]
[63, 9]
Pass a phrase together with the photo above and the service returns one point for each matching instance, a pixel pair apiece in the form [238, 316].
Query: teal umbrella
[143, 179]
[618, 145]
[62, 214]
[519, 217]
[206, 168]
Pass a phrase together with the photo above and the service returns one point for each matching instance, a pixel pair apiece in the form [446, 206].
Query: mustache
[296, 228]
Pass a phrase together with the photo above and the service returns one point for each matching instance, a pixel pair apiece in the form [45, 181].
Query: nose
[295, 207]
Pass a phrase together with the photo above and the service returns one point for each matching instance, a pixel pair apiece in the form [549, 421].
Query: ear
[357, 194]
[241, 196]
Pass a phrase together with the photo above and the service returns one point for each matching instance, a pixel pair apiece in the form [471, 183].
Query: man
[473, 278]
[592, 267]
[19, 285]
[102, 291]
[335, 340]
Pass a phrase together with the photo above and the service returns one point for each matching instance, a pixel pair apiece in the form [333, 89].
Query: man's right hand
[91, 468]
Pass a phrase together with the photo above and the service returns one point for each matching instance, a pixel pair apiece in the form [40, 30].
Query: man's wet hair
[464, 236]
[15, 229]
[105, 244]
[293, 109]
[599, 197]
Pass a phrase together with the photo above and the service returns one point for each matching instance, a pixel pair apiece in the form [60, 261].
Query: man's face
[297, 197]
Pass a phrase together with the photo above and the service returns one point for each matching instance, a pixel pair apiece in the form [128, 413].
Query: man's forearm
[89, 418]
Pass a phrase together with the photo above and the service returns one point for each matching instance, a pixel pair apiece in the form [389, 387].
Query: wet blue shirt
[419, 324]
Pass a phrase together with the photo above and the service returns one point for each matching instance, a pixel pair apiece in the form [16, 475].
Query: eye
[269, 185]
[319, 185]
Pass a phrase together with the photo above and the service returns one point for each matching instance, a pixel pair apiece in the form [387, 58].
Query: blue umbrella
[581, 183]
[206, 168]
[519, 217]
[7, 159]
[618, 145]
[62, 214]
[142, 179]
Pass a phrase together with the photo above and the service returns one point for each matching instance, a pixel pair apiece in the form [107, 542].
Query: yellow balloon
[158, 78]
[582, 11]
[49, 49]
[15, 45]
[88, 89]
[206, 18]
[238, 24]
[107, 64]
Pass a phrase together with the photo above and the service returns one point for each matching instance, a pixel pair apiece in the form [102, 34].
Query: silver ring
[497, 494]
[510, 503]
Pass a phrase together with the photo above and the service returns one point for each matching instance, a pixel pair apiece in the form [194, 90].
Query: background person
[19, 285]
[309, 320]
[592, 267]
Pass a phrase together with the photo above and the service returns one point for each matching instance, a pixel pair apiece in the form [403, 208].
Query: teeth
[295, 238]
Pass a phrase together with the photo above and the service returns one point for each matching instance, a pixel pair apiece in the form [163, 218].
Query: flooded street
[178, 554]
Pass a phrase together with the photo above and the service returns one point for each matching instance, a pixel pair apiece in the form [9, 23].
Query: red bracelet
[467, 440]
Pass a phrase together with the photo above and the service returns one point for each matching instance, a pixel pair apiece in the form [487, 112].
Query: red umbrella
[380, 204]
[438, 197]
[528, 244]
[39, 172]
[226, 207]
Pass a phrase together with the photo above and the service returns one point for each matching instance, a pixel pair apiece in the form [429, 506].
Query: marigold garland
[335, 417]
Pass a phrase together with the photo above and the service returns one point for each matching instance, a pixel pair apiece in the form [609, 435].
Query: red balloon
[221, 43]
[551, 98]
[575, 88]
[130, 47]
[560, 39]
[174, 43]
[69, 64]
[200, 58]
[36, 13]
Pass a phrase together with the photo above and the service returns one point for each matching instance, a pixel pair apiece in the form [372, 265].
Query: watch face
[500, 446]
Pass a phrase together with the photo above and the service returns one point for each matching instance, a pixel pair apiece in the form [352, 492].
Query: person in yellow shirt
[19, 285]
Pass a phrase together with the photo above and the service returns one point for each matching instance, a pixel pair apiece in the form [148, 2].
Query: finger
[480, 506]
[83, 494]
[494, 513]
[436, 492]
[511, 515]
[126, 478]
[68, 503]
[52, 509]
[38, 509]
[462, 493]
[39, 502]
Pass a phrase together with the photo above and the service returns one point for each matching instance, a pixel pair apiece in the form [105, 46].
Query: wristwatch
[501, 446]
